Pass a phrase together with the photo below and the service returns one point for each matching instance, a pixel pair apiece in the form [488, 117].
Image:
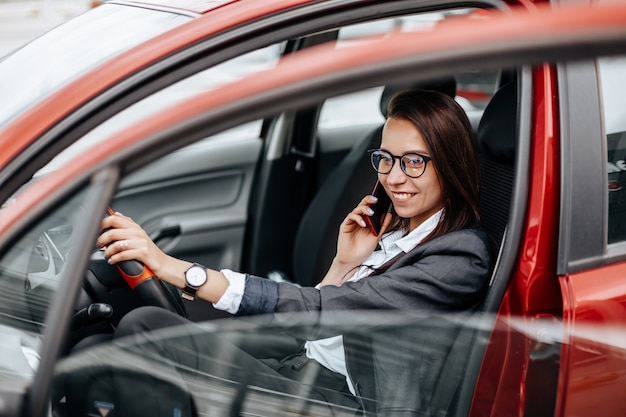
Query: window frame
[584, 179]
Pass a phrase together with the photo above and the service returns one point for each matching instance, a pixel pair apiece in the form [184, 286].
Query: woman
[432, 256]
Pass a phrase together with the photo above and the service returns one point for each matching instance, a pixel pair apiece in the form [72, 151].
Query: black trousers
[205, 359]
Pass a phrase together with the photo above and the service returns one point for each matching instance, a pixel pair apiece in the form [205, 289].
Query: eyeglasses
[412, 164]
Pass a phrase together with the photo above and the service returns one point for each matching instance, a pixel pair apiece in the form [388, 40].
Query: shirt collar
[410, 241]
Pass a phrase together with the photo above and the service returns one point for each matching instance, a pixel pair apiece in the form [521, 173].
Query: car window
[474, 89]
[613, 95]
[339, 111]
[30, 273]
[404, 354]
[52, 60]
[228, 71]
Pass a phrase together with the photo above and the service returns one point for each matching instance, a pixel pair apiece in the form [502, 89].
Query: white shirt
[329, 352]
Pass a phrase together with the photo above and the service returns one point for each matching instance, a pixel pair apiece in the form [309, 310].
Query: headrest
[443, 85]
[497, 130]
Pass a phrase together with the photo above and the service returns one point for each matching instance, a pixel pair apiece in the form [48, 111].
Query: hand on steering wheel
[141, 279]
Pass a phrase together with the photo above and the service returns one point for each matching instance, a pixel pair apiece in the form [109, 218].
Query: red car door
[592, 255]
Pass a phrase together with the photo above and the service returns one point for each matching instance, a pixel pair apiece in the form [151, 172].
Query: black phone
[380, 208]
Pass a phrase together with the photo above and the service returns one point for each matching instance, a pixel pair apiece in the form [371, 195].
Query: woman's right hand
[123, 239]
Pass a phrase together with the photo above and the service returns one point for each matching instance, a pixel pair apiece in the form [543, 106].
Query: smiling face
[415, 199]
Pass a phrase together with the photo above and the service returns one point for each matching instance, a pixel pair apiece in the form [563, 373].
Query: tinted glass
[614, 112]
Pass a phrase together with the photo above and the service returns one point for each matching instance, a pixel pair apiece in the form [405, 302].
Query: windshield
[70, 49]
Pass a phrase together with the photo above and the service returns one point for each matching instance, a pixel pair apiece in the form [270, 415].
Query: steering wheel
[103, 285]
[111, 291]
[149, 288]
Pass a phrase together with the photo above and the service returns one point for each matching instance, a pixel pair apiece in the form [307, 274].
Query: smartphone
[380, 208]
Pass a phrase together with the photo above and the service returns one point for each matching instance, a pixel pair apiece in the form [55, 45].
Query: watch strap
[189, 293]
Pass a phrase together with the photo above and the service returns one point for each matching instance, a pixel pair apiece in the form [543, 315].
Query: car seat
[497, 136]
[316, 239]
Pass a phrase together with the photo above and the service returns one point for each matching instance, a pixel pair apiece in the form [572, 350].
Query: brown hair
[450, 140]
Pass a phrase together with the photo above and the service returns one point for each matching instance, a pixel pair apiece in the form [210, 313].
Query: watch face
[196, 276]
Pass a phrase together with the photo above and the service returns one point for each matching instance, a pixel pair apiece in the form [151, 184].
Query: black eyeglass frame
[426, 159]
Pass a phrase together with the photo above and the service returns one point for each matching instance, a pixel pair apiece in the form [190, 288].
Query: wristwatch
[195, 277]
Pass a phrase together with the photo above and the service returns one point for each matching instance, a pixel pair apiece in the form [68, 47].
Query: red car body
[590, 375]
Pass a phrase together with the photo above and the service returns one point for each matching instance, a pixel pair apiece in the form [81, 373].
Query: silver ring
[124, 244]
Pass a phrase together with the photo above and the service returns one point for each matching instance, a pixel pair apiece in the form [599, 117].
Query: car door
[592, 265]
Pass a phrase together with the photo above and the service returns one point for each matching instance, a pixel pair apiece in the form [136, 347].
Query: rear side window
[613, 95]
[474, 89]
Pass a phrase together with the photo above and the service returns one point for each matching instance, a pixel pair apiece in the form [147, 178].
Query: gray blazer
[450, 273]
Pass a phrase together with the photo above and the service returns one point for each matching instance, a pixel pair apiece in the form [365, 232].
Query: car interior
[267, 198]
[313, 234]
[314, 229]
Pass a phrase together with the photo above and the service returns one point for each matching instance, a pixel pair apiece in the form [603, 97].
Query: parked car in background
[253, 172]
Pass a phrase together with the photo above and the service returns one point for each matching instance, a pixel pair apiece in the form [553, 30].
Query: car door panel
[193, 202]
